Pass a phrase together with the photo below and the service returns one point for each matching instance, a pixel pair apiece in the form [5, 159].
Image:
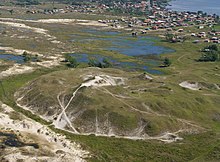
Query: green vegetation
[105, 63]
[71, 61]
[163, 95]
[195, 148]
[198, 146]
[210, 53]
[170, 37]
[10, 85]
[167, 62]
[28, 57]
[27, 2]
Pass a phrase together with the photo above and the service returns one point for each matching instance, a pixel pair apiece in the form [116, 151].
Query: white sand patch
[92, 23]
[92, 81]
[15, 70]
[54, 61]
[217, 86]
[47, 64]
[23, 37]
[190, 85]
[71, 21]
[102, 80]
[12, 23]
[20, 25]
[56, 42]
[48, 140]
[12, 50]
[62, 21]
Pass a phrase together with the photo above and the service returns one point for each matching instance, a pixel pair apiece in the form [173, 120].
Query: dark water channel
[11, 140]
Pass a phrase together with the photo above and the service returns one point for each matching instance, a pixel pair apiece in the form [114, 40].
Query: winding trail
[179, 59]
[63, 113]
[97, 81]
[151, 112]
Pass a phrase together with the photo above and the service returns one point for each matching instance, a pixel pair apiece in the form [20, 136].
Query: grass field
[201, 107]
[197, 147]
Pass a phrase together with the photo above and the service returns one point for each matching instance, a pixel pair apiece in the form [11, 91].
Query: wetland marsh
[121, 49]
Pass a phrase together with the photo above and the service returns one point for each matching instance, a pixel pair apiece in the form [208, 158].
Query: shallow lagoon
[126, 44]
[85, 58]
[133, 47]
[15, 58]
[11, 57]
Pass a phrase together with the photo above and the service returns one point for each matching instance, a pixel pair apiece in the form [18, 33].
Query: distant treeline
[107, 2]
[27, 2]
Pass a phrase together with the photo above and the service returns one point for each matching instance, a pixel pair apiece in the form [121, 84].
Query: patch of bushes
[72, 62]
[105, 63]
[210, 54]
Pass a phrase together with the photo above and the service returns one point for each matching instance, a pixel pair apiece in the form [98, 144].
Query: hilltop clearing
[107, 103]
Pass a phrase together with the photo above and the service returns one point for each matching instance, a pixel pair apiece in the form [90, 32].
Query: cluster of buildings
[161, 19]
[108, 6]
[157, 17]
[123, 7]
[166, 19]
[46, 11]
[210, 36]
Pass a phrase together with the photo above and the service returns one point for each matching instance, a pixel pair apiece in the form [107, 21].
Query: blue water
[10, 57]
[101, 33]
[85, 58]
[209, 6]
[127, 45]
[135, 47]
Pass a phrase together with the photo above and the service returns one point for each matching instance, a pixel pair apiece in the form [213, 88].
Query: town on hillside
[139, 17]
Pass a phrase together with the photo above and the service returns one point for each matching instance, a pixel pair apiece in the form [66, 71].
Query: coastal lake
[142, 50]
[209, 6]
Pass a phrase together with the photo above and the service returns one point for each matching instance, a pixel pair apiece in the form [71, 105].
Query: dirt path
[99, 82]
[151, 112]
[63, 113]
[47, 140]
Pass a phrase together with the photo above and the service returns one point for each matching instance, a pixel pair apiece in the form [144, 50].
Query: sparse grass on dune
[111, 149]
[182, 103]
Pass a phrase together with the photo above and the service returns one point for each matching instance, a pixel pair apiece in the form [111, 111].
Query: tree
[106, 63]
[217, 18]
[209, 56]
[170, 37]
[167, 62]
[210, 53]
[213, 47]
[11, 11]
[92, 62]
[72, 62]
[36, 58]
[26, 56]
